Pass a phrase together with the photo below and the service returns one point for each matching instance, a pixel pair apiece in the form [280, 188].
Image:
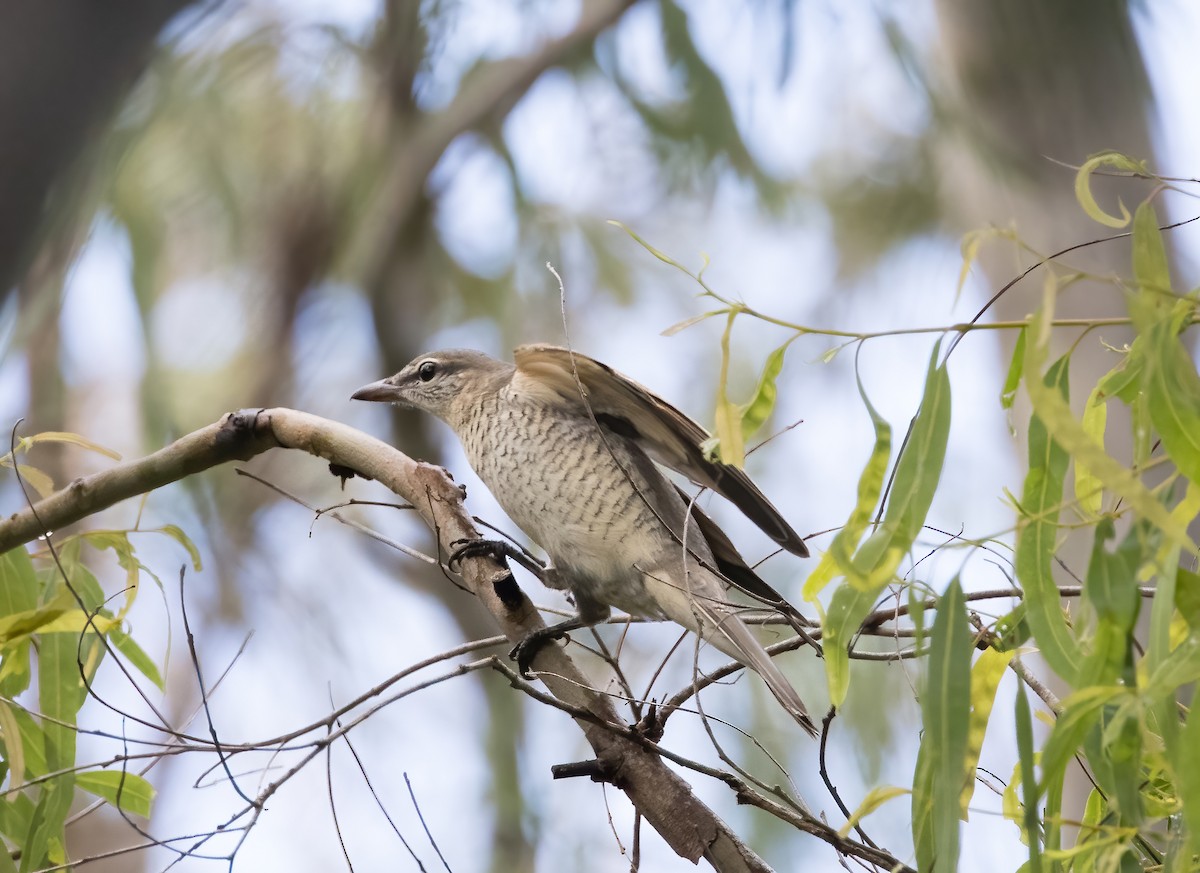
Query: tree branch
[666, 801]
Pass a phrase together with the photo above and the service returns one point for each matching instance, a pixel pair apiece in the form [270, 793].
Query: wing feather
[664, 433]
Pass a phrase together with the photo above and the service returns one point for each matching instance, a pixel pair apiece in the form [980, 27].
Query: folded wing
[664, 433]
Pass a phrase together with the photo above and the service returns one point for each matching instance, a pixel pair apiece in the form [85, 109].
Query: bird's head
[448, 384]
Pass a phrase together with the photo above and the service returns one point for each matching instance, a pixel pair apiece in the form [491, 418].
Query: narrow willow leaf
[18, 627]
[945, 706]
[1052, 409]
[118, 542]
[1180, 667]
[127, 791]
[1089, 493]
[137, 656]
[1037, 539]
[847, 609]
[15, 667]
[18, 583]
[662, 256]
[870, 486]
[730, 445]
[755, 413]
[14, 748]
[7, 865]
[690, 322]
[1187, 770]
[917, 472]
[972, 242]
[1111, 590]
[1150, 269]
[33, 743]
[1081, 711]
[985, 678]
[875, 798]
[1030, 823]
[73, 439]
[1124, 381]
[919, 468]
[1173, 397]
[34, 477]
[60, 695]
[1016, 368]
[1083, 187]
[176, 533]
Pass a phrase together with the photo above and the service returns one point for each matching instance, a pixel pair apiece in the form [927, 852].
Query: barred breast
[588, 501]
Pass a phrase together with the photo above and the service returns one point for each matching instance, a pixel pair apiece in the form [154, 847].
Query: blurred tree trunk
[64, 65]
[1036, 83]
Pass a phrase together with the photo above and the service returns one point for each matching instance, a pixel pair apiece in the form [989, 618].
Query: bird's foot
[526, 650]
[497, 550]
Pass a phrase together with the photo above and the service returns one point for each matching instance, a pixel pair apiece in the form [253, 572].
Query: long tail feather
[730, 634]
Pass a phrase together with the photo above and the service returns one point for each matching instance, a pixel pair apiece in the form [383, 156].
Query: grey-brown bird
[568, 447]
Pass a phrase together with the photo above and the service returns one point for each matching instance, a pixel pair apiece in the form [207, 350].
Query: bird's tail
[730, 634]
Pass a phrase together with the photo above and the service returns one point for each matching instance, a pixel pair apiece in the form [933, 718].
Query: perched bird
[567, 446]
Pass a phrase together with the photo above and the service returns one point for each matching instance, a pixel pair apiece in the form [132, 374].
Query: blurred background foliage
[239, 204]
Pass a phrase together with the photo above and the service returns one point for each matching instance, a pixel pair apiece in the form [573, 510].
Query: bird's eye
[427, 370]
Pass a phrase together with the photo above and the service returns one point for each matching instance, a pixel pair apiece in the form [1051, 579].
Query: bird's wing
[664, 433]
[729, 560]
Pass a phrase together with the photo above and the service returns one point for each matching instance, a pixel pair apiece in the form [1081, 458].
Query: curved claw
[526, 650]
[496, 549]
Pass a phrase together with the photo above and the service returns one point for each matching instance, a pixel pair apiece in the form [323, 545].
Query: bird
[568, 446]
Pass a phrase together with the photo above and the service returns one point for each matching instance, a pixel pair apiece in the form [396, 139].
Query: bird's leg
[590, 612]
[526, 650]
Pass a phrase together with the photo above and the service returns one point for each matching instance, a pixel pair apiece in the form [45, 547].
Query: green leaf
[1187, 769]
[662, 256]
[985, 678]
[755, 413]
[875, 798]
[1016, 368]
[6, 861]
[689, 322]
[1150, 268]
[1037, 538]
[1052, 409]
[14, 748]
[1083, 186]
[1111, 590]
[1173, 395]
[18, 597]
[1031, 824]
[1124, 381]
[1081, 712]
[917, 472]
[870, 486]
[118, 542]
[18, 583]
[919, 468]
[33, 743]
[730, 446]
[176, 533]
[136, 656]
[1187, 596]
[941, 762]
[74, 439]
[1089, 493]
[128, 791]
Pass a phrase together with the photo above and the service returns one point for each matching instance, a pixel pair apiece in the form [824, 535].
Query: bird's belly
[588, 510]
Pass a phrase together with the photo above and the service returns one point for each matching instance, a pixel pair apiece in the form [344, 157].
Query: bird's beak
[383, 391]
